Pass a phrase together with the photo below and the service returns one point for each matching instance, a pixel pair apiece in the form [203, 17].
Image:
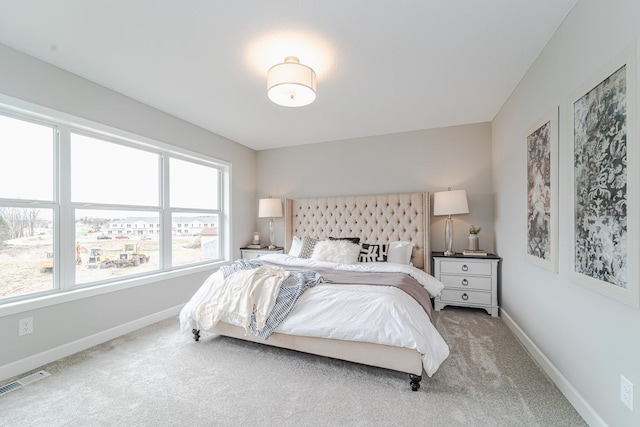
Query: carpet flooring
[159, 377]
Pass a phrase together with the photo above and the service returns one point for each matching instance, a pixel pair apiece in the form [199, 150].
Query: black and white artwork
[605, 181]
[542, 145]
[600, 180]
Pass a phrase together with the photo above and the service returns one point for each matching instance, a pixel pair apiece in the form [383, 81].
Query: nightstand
[253, 253]
[469, 281]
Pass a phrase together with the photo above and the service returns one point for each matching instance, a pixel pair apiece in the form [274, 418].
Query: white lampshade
[450, 203]
[291, 84]
[270, 208]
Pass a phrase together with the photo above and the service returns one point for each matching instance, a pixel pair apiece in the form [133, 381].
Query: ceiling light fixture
[291, 84]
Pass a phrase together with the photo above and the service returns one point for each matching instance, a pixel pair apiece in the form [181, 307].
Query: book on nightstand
[256, 246]
[470, 252]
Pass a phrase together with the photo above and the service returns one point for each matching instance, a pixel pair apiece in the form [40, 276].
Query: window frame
[64, 280]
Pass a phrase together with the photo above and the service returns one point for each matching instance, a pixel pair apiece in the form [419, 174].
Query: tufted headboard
[381, 218]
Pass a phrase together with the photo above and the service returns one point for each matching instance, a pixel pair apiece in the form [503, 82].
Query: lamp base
[272, 240]
[448, 237]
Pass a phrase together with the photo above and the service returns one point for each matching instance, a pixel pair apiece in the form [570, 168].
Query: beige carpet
[160, 377]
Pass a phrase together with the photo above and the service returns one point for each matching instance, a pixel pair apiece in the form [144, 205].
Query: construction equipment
[130, 256]
[46, 265]
[97, 259]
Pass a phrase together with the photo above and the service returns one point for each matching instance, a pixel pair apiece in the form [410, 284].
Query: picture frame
[542, 192]
[605, 184]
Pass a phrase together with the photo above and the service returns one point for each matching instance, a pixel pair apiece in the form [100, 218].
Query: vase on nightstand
[473, 242]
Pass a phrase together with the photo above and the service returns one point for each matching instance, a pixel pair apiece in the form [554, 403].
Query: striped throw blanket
[290, 290]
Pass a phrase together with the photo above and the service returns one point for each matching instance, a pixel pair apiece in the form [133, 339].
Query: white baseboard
[37, 360]
[582, 406]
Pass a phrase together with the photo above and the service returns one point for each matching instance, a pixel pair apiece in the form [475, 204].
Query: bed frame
[379, 218]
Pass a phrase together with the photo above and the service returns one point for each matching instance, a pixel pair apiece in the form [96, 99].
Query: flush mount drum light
[291, 84]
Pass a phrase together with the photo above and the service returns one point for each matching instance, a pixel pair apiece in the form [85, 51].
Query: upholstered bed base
[375, 219]
[382, 356]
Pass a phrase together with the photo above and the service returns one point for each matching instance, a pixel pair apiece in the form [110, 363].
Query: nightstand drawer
[464, 296]
[253, 253]
[467, 282]
[462, 267]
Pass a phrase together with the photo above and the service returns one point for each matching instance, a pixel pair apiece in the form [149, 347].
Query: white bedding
[375, 314]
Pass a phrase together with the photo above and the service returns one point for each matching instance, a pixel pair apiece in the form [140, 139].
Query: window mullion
[165, 220]
[65, 220]
[224, 219]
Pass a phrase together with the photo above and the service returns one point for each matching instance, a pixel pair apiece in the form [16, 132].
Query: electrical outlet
[25, 326]
[626, 392]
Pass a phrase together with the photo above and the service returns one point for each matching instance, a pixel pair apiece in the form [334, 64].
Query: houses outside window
[121, 194]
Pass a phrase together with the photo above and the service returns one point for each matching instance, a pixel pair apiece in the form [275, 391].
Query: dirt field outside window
[24, 262]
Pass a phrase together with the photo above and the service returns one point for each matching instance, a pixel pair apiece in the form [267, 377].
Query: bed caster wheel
[196, 334]
[414, 382]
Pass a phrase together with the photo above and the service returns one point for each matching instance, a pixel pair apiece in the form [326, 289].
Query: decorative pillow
[400, 252]
[355, 240]
[373, 253]
[296, 245]
[339, 251]
[306, 249]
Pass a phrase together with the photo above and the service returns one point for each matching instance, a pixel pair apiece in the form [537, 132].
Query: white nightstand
[252, 253]
[468, 281]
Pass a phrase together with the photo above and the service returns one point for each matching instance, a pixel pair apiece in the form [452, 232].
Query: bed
[404, 340]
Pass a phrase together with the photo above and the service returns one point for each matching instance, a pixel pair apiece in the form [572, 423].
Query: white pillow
[400, 252]
[339, 251]
[296, 245]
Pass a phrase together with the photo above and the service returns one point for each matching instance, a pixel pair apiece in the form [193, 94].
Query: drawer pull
[465, 282]
[465, 267]
[465, 296]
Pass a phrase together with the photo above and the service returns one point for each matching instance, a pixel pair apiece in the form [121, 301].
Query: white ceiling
[383, 66]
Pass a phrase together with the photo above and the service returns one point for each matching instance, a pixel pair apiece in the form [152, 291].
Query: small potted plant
[473, 237]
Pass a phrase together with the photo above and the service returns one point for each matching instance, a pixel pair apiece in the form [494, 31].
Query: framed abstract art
[605, 221]
[542, 192]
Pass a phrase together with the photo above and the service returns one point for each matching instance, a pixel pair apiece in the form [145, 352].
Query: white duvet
[376, 314]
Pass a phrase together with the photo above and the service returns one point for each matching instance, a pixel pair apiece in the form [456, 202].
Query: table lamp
[450, 203]
[270, 208]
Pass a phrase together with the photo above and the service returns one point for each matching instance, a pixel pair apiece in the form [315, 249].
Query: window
[194, 200]
[26, 207]
[109, 173]
[137, 207]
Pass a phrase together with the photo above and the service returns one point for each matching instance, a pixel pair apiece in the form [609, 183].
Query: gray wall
[590, 339]
[60, 325]
[427, 160]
